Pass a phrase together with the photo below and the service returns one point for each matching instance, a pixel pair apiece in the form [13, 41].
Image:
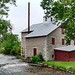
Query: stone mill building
[42, 38]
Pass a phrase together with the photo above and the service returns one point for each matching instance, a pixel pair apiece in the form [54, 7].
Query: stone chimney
[47, 19]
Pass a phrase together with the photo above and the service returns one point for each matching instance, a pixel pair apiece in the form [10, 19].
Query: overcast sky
[19, 15]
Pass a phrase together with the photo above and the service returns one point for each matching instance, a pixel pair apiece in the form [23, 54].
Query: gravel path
[9, 65]
[31, 70]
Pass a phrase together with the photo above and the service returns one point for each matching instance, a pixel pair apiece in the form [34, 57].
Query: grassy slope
[61, 64]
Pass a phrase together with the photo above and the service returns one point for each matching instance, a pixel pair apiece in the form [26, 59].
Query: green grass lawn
[61, 64]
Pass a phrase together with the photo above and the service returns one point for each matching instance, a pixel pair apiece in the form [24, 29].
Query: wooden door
[35, 51]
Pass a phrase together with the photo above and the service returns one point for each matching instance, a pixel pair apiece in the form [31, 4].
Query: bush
[11, 44]
[23, 56]
[40, 57]
[15, 50]
[37, 58]
[7, 47]
[18, 57]
[2, 50]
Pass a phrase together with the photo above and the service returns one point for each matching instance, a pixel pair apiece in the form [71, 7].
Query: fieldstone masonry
[42, 44]
[23, 42]
[38, 43]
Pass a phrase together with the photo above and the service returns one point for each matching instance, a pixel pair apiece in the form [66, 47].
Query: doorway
[35, 51]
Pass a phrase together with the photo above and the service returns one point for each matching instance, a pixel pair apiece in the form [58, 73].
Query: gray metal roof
[32, 27]
[66, 48]
[42, 29]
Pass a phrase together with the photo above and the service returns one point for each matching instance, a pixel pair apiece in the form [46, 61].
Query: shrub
[15, 50]
[23, 56]
[18, 57]
[7, 47]
[40, 57]
[11, 44]
[2, 50]
[37, 58]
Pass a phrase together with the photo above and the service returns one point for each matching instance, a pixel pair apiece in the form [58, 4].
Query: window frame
[53, 41]
[63, 42]
[62, 30]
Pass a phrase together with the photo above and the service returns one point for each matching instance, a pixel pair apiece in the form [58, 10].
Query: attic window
[62, 30]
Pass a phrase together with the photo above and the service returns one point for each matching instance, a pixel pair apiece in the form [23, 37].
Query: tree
[4, 8]
[8, 40]
[5, 26]
[11, 44]
[64, 13]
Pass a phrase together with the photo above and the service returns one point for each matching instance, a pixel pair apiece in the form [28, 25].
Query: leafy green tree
[5, 26]
[11, 44]
[4, 6]
[8, 41]
[64, 13]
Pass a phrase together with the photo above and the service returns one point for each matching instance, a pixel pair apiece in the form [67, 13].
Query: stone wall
[58, 42]
[42, 44]
[57, 34]
[38, 43]
[23, 42]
